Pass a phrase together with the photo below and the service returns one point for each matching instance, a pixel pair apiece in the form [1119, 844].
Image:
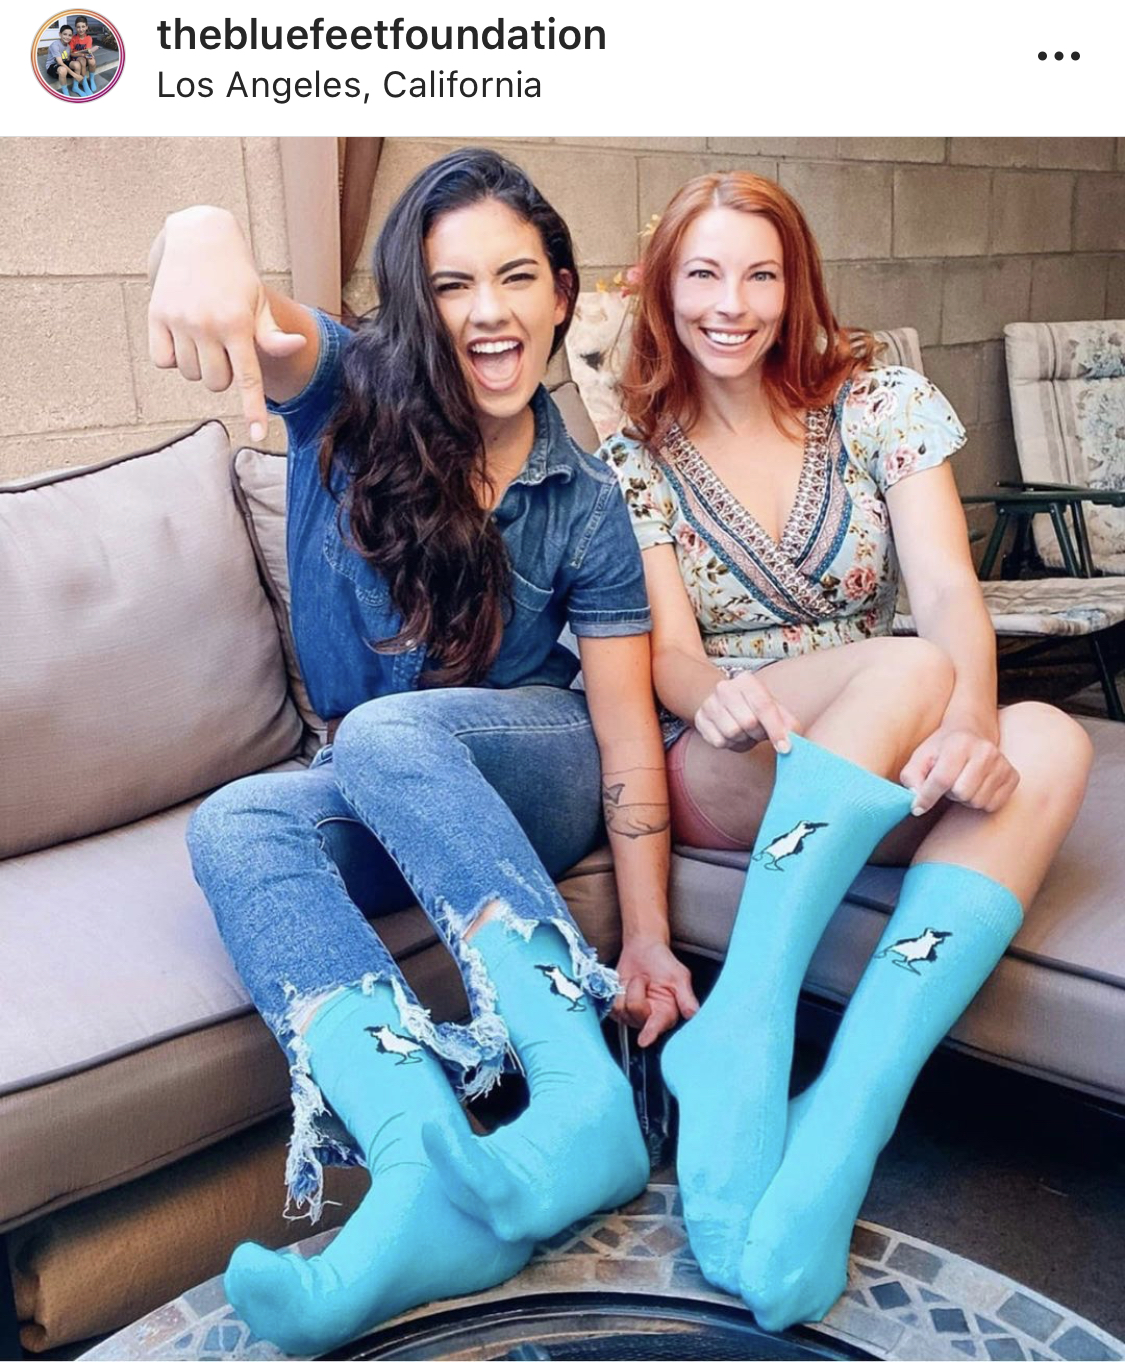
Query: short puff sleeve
[648, 496]
[895, 422]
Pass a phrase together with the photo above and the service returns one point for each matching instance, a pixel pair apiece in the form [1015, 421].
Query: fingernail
[917, 811]
[783, 746]
[257, 430]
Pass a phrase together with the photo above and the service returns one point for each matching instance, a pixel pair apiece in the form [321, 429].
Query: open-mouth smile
[496, 361]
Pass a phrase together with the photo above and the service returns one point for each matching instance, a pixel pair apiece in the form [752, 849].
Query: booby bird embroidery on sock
[391, 1043]
[790, 843]
[913, 949]
[563, 986]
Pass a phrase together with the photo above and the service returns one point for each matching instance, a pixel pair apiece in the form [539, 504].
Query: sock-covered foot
[406, 1243]
[729, 1066]
[578, 1147]
[950, 928]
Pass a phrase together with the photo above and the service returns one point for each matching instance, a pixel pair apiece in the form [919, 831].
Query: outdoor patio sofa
[146, 659]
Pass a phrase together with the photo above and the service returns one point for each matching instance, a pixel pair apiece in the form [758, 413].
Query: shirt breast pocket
[528, 597]
[369, 586]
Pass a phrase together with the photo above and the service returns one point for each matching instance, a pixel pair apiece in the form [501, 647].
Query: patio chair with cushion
[1044, 610]
[1067, 385]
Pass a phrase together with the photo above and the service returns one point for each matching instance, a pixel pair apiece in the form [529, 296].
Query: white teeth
[727, 337]
[492, 347]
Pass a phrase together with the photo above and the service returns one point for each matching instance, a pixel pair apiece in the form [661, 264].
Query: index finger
[248, 380]
[943, 774]
[771, 718]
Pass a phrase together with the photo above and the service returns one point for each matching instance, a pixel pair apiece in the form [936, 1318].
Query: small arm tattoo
[631, 818]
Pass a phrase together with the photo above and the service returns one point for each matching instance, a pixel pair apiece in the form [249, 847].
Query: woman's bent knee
[216, 821]
[1046, 746]
[907, 678]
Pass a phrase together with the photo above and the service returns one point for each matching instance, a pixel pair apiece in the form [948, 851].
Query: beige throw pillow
[139, 659]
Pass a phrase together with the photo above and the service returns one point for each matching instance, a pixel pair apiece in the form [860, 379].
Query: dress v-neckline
[802, 516]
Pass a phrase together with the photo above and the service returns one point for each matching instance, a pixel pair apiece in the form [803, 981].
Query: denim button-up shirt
[573, 553]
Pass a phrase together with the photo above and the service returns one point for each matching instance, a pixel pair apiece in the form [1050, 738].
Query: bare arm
[726, 712]
[211, 317]
[932, 541]
[635, 798]
[961, 760]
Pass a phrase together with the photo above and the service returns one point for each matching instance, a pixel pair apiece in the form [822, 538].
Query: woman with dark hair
[442, 529]
[776, 480]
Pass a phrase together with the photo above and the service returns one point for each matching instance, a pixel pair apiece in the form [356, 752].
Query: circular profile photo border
[46, 84]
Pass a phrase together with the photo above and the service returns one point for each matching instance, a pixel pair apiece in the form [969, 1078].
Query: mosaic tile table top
[906, 1299]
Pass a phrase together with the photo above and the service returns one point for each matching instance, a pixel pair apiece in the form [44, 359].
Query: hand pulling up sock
[406, 1243]
[577, 1148]
[729, 1066]
[949, 930]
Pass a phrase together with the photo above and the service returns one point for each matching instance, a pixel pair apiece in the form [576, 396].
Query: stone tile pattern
[906, 1299]
[954, 236]
[76, 342]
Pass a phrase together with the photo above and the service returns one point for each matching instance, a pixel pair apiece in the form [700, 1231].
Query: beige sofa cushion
[128, 1037]
[259, 486]
[140, 660]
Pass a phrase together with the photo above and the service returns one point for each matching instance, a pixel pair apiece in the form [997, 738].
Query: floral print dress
[833, 576]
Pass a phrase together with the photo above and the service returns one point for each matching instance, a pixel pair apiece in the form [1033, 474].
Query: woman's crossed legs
[454, 784]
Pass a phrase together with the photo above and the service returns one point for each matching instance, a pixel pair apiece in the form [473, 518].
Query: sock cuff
[809, 761]
[959, 892]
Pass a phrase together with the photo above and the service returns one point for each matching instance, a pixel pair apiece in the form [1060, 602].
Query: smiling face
[728, 292]
[497, 295]
[82, 26]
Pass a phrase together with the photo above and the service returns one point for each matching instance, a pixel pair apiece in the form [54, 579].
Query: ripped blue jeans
[454, 799]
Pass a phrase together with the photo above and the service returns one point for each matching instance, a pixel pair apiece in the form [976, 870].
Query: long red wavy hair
[813, 355]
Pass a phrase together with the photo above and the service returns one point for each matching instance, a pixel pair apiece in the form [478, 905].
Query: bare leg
[870, 702]
[874, 706]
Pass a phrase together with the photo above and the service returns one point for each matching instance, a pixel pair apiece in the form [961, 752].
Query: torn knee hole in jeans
[474, 1054]
[597, 980]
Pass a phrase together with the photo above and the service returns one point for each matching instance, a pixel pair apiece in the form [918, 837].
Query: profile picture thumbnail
[78, 56]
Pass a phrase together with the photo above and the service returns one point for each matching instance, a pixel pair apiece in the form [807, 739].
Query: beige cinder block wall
[953, 236]
[76, 383]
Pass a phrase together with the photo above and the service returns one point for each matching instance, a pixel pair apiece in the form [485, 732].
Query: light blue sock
[406, 1243]
[729, 1066]
[577, 1148]
[91, 88]
[950, 929]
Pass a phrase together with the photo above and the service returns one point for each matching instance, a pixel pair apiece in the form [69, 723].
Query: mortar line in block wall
[1074, 223]
[246, 190]
[76, 278]
[132, 358]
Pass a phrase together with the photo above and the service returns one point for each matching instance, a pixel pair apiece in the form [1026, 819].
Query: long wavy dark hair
[405, 432]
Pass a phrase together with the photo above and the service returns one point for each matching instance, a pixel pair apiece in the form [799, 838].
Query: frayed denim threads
[479, 795]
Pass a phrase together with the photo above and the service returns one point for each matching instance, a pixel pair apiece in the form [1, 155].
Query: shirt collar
[550, 452]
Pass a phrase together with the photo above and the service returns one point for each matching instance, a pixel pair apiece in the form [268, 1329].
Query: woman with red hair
[776, 481]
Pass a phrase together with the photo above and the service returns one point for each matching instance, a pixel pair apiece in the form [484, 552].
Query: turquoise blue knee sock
[729, 1066]
[406, 1243]
[577, 1148]
[949, 930]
